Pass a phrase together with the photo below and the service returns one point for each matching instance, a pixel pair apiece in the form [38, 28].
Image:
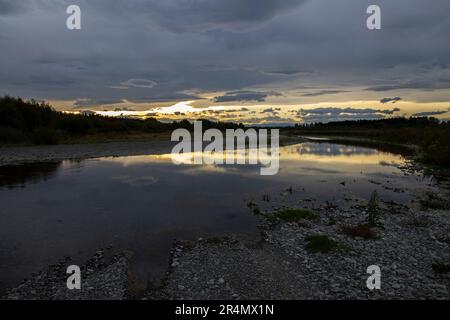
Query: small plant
[331, 221]
[434, 202]
[330, 206]
[266, 198]
[417, 222]
[254, 207]
[372, 209]
[441, 267]
[293, 215]
[320, 243]
[360, 230]
[289, 190]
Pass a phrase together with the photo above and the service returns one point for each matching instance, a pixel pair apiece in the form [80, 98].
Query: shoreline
[13, 155]
[409, 241]
[16, 155]
[277, 264]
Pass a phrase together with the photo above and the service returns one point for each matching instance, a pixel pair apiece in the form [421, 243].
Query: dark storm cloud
[153, 50]
[245, 96]
[234, 15]
[393, 100]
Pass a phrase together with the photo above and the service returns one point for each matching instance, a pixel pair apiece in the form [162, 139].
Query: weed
[331, 221]
[441, 267]
[434, 202]
[320, 243]
[372, 209]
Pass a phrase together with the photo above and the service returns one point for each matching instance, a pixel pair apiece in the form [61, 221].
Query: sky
[251, 61]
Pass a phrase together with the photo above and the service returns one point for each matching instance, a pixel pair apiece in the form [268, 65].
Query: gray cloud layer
[144, 50]
[245, 96]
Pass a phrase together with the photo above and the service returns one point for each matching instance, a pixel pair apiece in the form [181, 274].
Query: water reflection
[19, 176]
[322, 149]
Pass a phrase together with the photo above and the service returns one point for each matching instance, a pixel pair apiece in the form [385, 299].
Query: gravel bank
[408, 241]
[104, 277]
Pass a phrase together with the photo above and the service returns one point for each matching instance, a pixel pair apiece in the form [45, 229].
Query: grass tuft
[373, 208]
[441, 267]
[434, 202]
[320, 243]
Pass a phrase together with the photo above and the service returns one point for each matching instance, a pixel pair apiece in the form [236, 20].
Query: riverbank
[314, 258]
[14, 155]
